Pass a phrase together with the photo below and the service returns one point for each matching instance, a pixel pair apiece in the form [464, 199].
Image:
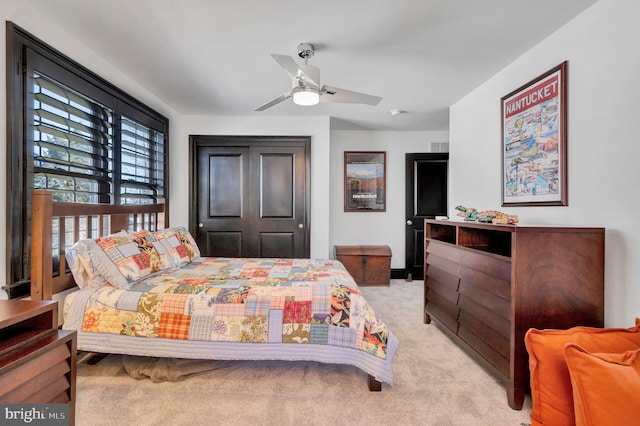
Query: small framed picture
[364, 181]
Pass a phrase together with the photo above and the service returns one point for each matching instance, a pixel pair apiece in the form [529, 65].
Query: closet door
[277, 193]
[223, 200]
[251, 196]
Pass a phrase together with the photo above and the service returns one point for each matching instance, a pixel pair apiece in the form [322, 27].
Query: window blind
[72, 143]
[141, 163]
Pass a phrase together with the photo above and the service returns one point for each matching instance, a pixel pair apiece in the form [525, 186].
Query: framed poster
[534, 142]
[365, 181]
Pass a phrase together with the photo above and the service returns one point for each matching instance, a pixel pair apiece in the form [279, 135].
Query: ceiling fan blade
[307, 73]
[288, 64]
[274, 101]
[335, 94]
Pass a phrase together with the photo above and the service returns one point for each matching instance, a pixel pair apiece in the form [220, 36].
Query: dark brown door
[426, 198]
[251, 196]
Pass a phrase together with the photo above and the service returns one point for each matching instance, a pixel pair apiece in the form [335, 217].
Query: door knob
[409, 222]
[201, 225]
[301, 225]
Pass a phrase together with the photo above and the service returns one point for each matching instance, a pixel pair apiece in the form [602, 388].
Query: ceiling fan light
[305, 96]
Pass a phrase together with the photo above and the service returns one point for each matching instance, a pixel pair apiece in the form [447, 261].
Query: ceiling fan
[306, 88]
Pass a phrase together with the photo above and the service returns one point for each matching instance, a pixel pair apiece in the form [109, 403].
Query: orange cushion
[551, 393]
[606, 387]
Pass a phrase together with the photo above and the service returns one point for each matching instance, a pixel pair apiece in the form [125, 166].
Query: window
[75, 134]
[72, 143]
[142, 163]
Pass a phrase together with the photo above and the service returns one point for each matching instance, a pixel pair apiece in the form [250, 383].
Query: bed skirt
[380, 369]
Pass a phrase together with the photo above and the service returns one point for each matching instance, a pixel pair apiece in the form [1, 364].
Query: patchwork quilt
[284, 301]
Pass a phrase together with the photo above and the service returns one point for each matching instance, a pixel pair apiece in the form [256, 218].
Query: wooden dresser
[37, 360]
[488, 284]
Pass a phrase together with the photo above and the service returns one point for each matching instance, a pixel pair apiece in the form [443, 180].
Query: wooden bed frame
[88, 221]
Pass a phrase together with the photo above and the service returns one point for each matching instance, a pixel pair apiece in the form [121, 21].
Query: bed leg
[374, 385]
[90, 358]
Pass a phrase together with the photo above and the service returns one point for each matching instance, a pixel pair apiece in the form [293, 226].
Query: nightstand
[37, 360]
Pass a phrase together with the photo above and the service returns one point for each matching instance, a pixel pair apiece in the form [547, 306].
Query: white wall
[603, 151]
[317, 128]
[375, 228]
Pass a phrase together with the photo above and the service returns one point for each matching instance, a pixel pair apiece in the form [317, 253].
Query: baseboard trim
[398, 274]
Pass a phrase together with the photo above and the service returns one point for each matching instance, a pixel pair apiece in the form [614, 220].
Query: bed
[143, 289]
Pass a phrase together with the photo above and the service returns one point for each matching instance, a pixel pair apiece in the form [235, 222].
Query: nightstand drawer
[37, 361]
[36, 376]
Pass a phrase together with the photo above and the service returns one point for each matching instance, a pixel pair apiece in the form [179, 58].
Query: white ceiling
[212, 57]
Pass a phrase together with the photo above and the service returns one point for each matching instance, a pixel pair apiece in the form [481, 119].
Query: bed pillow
[123, 259]
[606, 386]
[178, 244]
[81, 264]
[551, 392]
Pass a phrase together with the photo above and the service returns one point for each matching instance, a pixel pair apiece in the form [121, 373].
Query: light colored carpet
[435, 383]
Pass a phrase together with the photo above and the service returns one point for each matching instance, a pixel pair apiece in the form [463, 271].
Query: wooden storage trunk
[369, 265]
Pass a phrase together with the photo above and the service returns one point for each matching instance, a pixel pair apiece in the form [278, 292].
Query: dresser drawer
[441, 263]
[472, 280]
[443, 283]
[475, 316]
[487, 262]
[442, 309]
[485, 348]
[443, 250]
[472, 298]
